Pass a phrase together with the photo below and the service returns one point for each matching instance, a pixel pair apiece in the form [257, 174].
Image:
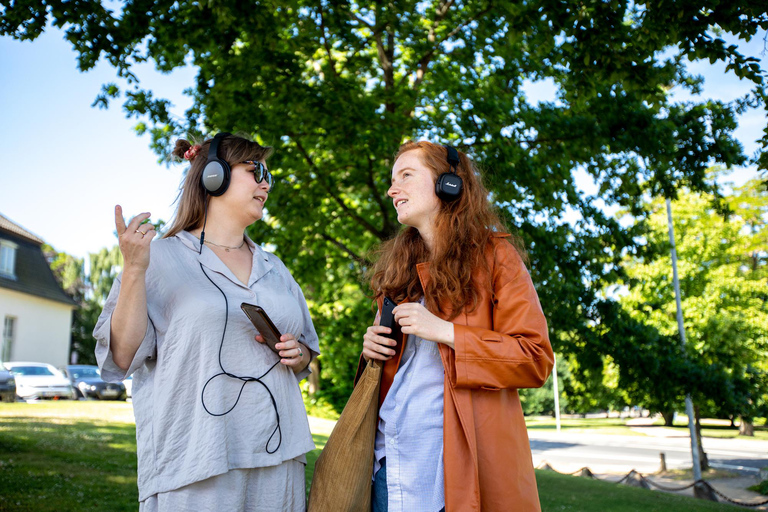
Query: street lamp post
[557, 392]
[681, 328]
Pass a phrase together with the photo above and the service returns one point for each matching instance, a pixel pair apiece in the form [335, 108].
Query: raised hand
[134, 240]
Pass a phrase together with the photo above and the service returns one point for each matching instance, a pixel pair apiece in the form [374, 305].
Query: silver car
[39, 380]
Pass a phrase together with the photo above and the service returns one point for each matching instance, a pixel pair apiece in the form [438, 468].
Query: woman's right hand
[376, 346]
[134, 240]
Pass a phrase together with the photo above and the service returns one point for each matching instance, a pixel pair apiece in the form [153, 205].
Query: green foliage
[337, 86]
[541, 401]
[723, 272]
[89, 291]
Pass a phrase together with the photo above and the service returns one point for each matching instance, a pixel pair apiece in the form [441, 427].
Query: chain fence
[648, 483]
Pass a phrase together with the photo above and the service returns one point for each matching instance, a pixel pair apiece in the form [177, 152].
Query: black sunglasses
[261, 173]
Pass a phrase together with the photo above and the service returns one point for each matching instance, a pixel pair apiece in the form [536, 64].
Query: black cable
[245, 379]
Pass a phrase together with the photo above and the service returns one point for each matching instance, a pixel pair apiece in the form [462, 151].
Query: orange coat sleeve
[515, 352]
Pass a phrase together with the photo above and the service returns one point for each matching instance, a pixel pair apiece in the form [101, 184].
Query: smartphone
[263, 324]
[387, 319]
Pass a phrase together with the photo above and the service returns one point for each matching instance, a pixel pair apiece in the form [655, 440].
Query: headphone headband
[213, 150]
[453, 157]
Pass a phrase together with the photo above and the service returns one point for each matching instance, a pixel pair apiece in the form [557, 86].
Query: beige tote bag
[342, 479]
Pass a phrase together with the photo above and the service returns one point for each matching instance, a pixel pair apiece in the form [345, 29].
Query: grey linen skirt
[269, 489]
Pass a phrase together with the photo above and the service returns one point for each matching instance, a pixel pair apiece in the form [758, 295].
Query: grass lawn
[81, 456]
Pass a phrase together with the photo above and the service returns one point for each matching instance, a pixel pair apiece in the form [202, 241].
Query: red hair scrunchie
[191, 153]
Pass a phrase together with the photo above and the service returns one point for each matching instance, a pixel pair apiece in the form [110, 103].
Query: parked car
[7, 385]
[86, 380]
[39, 380]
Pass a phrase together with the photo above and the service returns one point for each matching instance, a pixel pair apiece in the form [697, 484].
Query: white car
[39, 380]
[128, 383]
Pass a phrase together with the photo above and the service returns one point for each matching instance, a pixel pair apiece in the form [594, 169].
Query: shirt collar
[261, 263]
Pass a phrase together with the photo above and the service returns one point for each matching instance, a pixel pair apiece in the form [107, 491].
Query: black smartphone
[387, 319]
[263, 324]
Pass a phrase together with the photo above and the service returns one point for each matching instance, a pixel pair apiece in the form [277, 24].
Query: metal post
[557, 393]
[681, 328]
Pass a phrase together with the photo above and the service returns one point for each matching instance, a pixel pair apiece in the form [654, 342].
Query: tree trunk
[703, 459]
[669, 418]
[746, 428]
[314, 377]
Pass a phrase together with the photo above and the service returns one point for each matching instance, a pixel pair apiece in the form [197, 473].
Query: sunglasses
[261, 173]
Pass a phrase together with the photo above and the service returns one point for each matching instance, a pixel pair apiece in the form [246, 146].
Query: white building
[35, 311]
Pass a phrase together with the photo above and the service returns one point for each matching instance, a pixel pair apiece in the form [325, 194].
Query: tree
[723, 267]
[337, 86]
[89, 291]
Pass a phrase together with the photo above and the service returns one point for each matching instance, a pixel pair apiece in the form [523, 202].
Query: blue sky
[66, 164]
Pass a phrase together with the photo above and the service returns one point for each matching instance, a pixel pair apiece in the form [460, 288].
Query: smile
[399, 202]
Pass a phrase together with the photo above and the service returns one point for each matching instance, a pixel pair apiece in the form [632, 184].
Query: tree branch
[352, 254]
[442, 11]
[387, 228]
[327, 47]
[362, 222]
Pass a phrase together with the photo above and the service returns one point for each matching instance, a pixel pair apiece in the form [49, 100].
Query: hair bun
[182, 146]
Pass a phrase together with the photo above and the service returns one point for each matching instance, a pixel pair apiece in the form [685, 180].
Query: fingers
[136, 221]
[119, 221]
[291, 351]
[376, 346]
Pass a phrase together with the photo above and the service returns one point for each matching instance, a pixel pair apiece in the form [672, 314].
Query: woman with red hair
[451, 433]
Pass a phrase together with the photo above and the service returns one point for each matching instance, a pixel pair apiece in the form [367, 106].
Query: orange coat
[500, 347]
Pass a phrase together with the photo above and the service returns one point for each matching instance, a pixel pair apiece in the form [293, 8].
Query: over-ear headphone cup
[216, 173]
[215, 177]
[448, 186]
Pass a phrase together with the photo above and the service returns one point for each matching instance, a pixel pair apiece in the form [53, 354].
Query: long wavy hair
[190, 207]
[463, 231]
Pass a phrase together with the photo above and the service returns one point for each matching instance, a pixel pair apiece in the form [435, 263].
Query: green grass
[563, 493]
[81, 456]
[761, 488]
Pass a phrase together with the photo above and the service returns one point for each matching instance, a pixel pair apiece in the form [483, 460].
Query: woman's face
[413, 192]
[245, 197]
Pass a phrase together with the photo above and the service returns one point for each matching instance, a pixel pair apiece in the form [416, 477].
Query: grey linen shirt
[178, 442]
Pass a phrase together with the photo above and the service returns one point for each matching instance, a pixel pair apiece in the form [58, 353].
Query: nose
[393, 190]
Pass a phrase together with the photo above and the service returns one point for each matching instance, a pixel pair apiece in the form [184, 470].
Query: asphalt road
[567, 452]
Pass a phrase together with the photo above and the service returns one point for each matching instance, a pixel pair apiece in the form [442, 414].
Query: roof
[33, 274]
[10, 226]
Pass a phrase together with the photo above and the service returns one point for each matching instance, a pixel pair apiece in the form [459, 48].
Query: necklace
[226, 247]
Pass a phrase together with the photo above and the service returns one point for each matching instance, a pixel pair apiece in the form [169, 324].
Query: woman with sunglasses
[451, 434]
[220, 421]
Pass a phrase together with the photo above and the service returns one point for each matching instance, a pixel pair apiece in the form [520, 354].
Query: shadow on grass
[60, 465]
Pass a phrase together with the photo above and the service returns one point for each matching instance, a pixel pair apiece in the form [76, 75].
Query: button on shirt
[410, 431]
[178, 442]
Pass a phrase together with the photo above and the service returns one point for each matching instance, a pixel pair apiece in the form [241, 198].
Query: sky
[66, 164]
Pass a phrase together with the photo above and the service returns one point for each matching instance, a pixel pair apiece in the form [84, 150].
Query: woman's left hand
[416, 319]
[293, 354]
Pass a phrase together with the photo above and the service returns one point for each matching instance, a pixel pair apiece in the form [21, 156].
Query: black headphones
[448, 185]
[216, 173]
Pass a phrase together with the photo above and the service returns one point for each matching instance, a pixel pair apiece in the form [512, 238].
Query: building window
[8, 259]
[9, 329]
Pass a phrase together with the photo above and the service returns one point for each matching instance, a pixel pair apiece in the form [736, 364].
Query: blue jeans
[379, 489]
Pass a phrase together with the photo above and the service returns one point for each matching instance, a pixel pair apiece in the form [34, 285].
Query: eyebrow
[401, 170]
